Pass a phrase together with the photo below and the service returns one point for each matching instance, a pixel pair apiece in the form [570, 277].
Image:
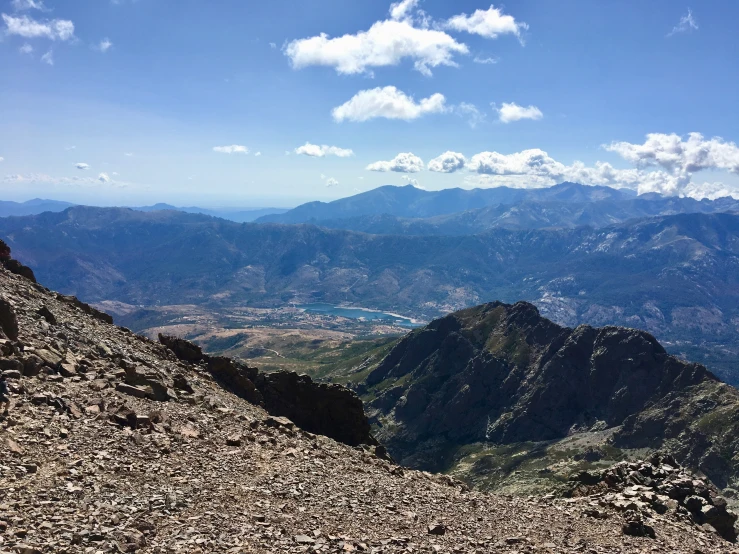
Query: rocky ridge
[96, 458]
[501, 374]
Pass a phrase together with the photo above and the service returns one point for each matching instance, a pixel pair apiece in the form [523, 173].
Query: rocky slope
[501, 374]
[115, 443]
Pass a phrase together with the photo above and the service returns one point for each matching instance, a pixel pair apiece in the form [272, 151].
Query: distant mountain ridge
[410, 201]
[39, 206]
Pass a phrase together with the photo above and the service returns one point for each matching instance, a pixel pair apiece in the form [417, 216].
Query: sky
[246, 103]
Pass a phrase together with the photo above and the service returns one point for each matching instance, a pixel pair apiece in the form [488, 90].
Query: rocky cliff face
[501, 374]
[330, 410]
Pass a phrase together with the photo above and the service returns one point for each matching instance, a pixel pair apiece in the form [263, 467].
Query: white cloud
[485, 61]
[104, 45]
[233, 149]
[448, 162]
[2, 159]
[331, 182]
[103, 178]
[272, 45]
[676, 155]
[488, 23]
[24, 26]
[680, 158]
[71, 181]
[405, 162]
[48, 58]
[509, 112]
[386, 43]
[128, 154]
[402, 10]
[470, 111]
[26, 49]
[82, 165]
[387, 102]
[21, 5]
[257, 154]
[316, 151]
[687, 24]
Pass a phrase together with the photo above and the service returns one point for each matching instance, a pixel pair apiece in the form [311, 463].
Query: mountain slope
[500, 374]
[31, 207]
[94, 460]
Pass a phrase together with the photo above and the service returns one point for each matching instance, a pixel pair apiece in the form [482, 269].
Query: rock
[183, 349]
[137, 392]
[436, 529]
[8, 320]
[13, 447]
[48, 316]
[50, 358]
[12, 374]
[330, 410]
[234, 440]
[635, 526]
[304, 539]
[25, 549]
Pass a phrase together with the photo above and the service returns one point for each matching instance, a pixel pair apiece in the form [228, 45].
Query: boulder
[183, 349]
[8, 320]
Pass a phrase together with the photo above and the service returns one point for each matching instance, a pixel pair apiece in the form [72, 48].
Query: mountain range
[38, 206]
[412, 211]
[675, 276]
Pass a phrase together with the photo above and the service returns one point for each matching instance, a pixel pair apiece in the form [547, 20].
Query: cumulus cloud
[104, 45]
[510, 111]
[686, 24]
[485, 61]
[26, 49]
[331, 182]
[257, 154]
[405, 162]
[48, 58]
[489, 23]
[24, 26]
[233, 149]
[679, 158]
[316, 151]
[448, 162]
[273, 45]
[82, 165]
[103, 178]
[387, 102]
[386, 43]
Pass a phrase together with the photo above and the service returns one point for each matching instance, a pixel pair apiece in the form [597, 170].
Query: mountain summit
[500, 374]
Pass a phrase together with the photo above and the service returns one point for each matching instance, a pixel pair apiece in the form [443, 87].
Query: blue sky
[192, 102]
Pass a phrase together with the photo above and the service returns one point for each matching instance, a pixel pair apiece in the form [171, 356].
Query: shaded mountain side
[530, 214]
[114, 444]
[409, 201]
[501, 374]
[676, 277]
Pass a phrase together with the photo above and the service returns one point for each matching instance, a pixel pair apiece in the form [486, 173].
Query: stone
[304, 539]
[436, 529]
[137, 392]
[8, 320]
[48, 316]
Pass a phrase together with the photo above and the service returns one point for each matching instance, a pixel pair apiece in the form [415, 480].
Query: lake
[359, 313]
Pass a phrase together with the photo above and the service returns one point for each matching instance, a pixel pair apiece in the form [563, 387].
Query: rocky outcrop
[658, 485]
[14, 266]
[330, 410]
[316, 407]
[8, 320]
[502, 374]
